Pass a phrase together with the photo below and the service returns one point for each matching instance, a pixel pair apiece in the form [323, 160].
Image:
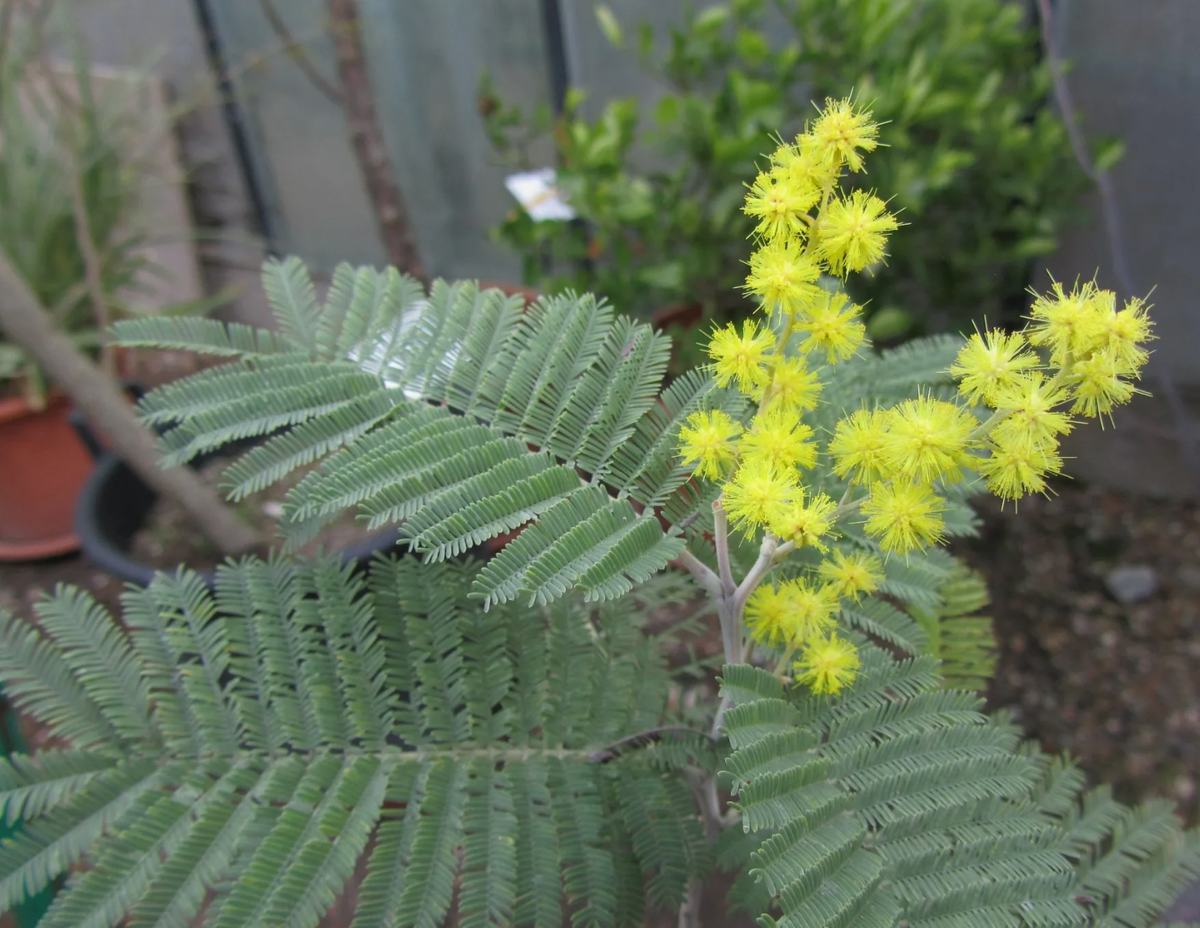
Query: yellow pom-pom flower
[793, 387]
[833, 324]
[852, 232]
[783, 277]
[779, 438]
[780, 203]
[990, 361]
[1121, 336]
[741, 358]
[852, 575]
[927, 439]
[1098, 387]
[1016, 468]
[806, 522]
[828, 665]
[811, 611]
[904, 516]
[804, 166]
[708, 440]
[1068, 323]
[768, 615]
[1031, 402]
[758, 494]
[840, 132]
[859, 446]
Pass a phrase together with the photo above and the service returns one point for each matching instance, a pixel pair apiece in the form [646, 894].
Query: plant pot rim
[108, 546]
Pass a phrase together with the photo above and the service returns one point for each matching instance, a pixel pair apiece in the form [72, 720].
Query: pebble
[1132, 583]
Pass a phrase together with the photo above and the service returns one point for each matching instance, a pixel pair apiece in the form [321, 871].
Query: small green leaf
[607, 21]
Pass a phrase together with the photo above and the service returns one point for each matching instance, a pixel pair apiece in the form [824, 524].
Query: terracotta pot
[681, 314]
[43, 466]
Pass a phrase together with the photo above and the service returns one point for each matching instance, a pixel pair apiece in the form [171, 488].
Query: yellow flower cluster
[1079, 355]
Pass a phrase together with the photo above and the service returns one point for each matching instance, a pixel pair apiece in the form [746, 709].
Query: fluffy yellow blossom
[989, 361]
[1068, 323]
[852, 232]
[779, 438]
[806, 522]
[828, 664]
[768, 614]
[783, 277]
[803, 164]
[1016, 468]
[833, 324]
[1031, 402]
[840, 132]
[1121, 335]
[780, 203]
[758, 494]
[904, 516]
[851, 575]
[741, 359]
[811, 611]
[793, 387]
[708, 440]
[1098, 387]
[927, 439]
[859, 446]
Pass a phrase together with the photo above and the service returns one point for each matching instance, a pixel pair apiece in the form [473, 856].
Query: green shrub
[976, 162]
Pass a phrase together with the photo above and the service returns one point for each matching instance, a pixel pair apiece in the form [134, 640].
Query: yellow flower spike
[758, 494]
[1068, 323]
[811, 611]
[852, 575]
[741, 359]
[779, 438]
[927, 439]
[768, 614]
[828, 665]
[832, 325]
[840, 132]
[1031, 402]
[783, 277]
[852, 232]
[858, 447]
[990, 361]
[904, 516]
[708, 439]
[806, 523]
[780, 204]
[1016, 468]
[1098, 387]
[793, 387]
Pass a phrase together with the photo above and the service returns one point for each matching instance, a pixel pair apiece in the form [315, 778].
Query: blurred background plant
[74, 163]
[977, 163]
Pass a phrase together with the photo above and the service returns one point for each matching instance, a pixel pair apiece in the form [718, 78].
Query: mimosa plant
[504, 742]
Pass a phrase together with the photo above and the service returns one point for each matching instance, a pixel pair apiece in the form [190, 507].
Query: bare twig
[702, 572]
[295, 50]
[367, 138]
[1110, 211]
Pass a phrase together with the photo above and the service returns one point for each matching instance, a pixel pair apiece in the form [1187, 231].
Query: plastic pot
[43, 467]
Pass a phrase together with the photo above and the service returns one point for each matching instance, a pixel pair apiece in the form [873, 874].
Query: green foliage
[958, 636]
[236, 753]
[465, 416]
[978, 165]
[900, 803]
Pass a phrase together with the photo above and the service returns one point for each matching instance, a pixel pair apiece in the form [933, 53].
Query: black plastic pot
[115, 502]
